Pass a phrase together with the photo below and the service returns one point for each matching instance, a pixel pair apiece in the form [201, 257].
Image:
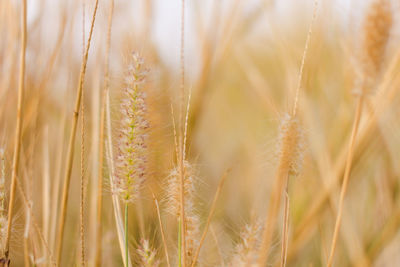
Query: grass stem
[126, 235]
[100, 171]
[349, 160]
[212, 210]
[161, 230]
[18, 134]
[285, 226]
[179, 243]
[71, 144]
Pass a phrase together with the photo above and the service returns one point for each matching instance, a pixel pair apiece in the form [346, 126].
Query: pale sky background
[166, 28]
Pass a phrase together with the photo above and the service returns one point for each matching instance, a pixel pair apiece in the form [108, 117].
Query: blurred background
[242, 60]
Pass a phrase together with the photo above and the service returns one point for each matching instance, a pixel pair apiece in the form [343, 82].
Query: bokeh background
[242, 60]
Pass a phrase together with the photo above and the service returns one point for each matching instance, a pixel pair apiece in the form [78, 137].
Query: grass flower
[147, 255]
[131, 161]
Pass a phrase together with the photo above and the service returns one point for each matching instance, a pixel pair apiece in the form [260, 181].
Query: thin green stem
[126, 234]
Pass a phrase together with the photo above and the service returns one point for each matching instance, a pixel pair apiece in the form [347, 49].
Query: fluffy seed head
[376, 31]
[246, 250]
[173, 189]
[131, 160]
[192, 226]
[192, 221]
[147, 255]
[291, 144]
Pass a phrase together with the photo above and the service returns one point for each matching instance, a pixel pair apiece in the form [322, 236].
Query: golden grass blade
[28, 207]
[285, 228]
[386, 96]
[46, 185]
[82, 163]
[17, 144]
[210, 215]
[70, 155]
[217, 245]
[26, 240]
[376, 30]
[288, 147]
[354, 131]
[161, 229]
[181, 158]
[98, 253]
[303, 60]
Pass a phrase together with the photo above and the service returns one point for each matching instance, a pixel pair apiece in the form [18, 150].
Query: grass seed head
[131, 160]
[375, 35]
[192, 227]
[291, 145]
[246, 250]
[147, 255]
[173, 203]
[173, 189]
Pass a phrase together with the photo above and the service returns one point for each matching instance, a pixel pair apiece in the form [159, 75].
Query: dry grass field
[237, 133]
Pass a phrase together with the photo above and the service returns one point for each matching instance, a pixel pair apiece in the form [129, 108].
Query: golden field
[259, 133]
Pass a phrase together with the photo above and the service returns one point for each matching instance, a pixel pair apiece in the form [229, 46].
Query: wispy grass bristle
[173, 189]
[290, 150]
[147, 255]
[245, 253]
[192, 227]
[173, 206]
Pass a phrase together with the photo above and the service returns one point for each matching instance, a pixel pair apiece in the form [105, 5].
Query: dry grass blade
[100, 170]
[116, 204]
[161, 229]
[70, 155]
[26, 240]
[181, 143]
[356, 123]
[82, 163]
[303, 60]
[85, 132]
[17, 144]
[210, 215]
[290, 150]
[366, 134]
[34, 223]
[273, 210]
[220, 254]
[285, 228]
[377, 25]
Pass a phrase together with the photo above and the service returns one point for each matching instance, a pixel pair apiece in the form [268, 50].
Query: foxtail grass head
[192, 226]
[291, 144]
[131, 160]
[376, 29]
[173, 203]
[173, 189]
[245, 253]
[147, 255]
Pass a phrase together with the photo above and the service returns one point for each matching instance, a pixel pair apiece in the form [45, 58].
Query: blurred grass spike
[377, 26]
